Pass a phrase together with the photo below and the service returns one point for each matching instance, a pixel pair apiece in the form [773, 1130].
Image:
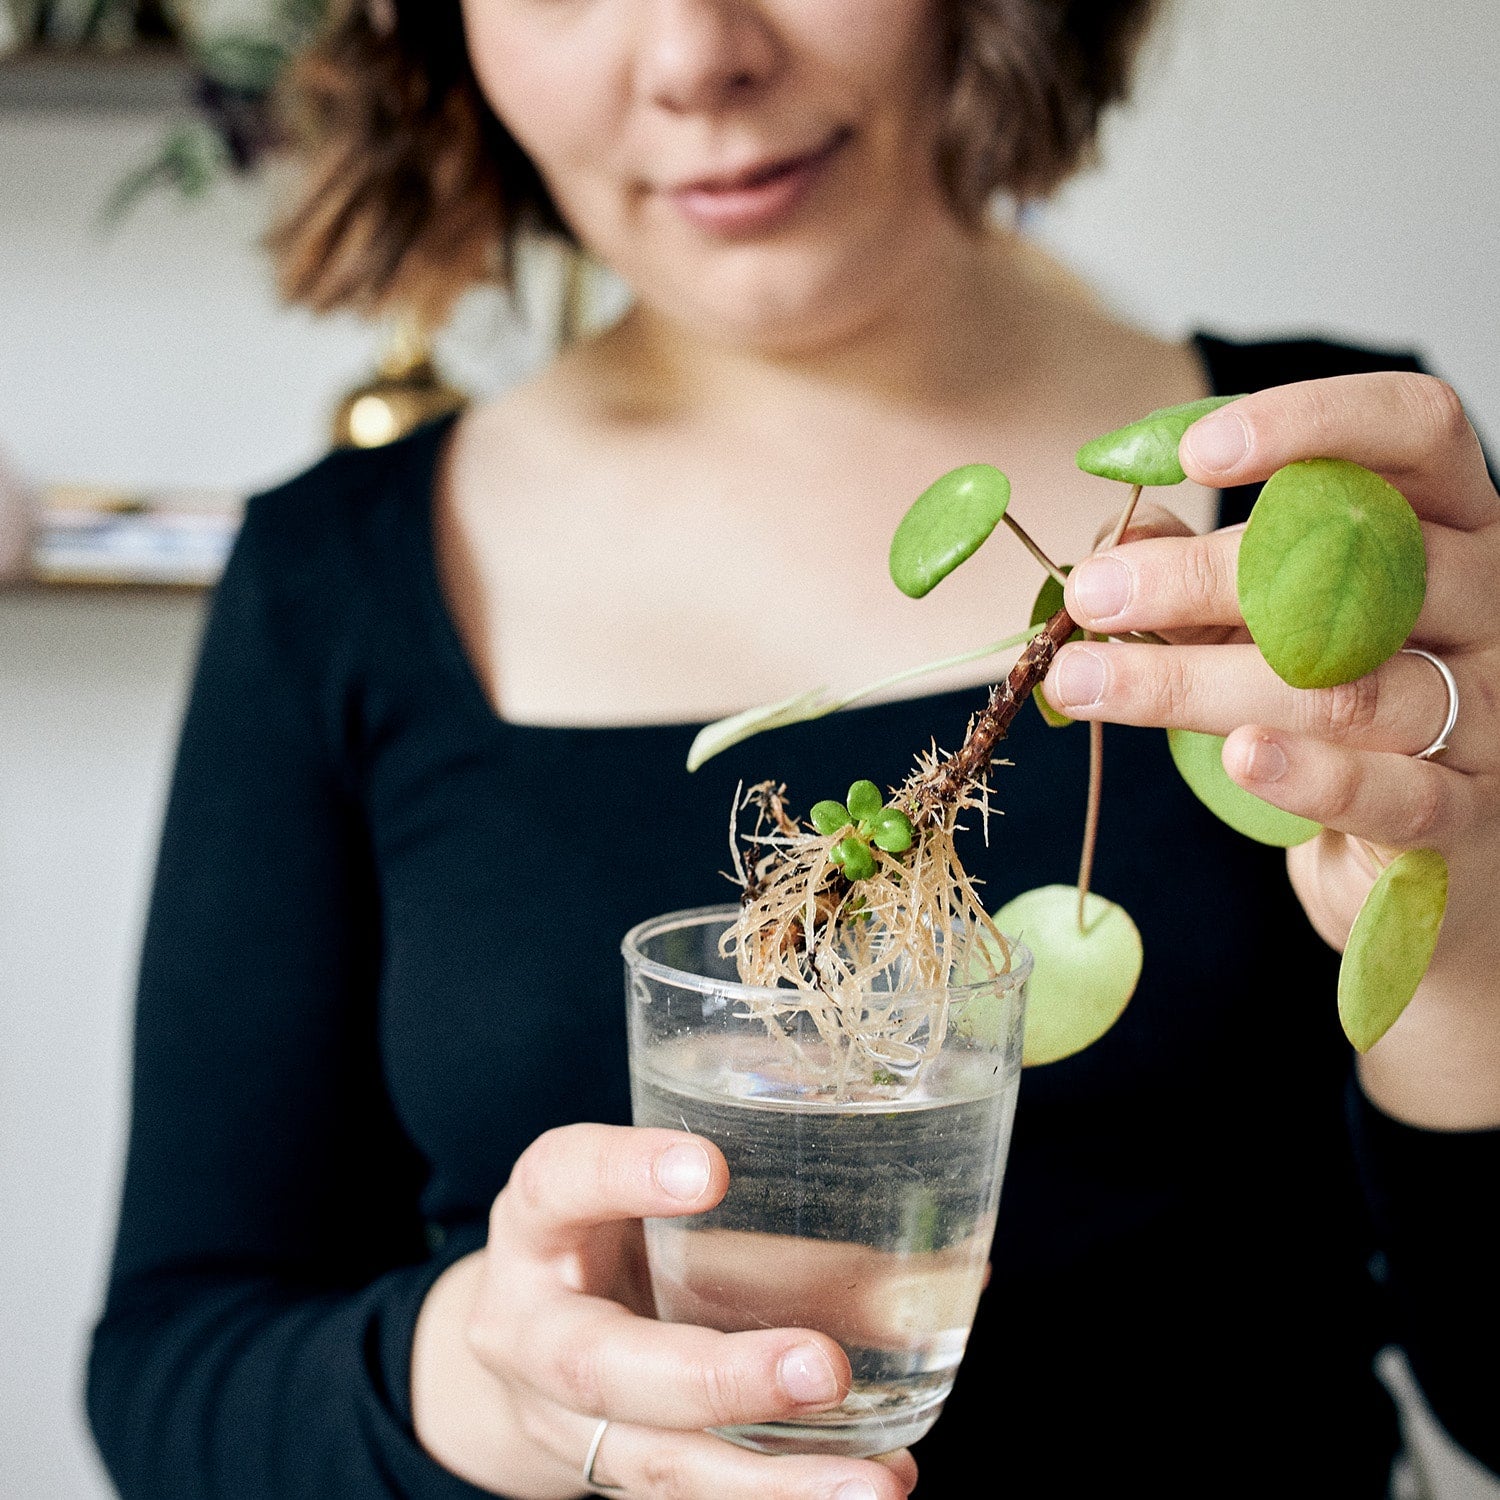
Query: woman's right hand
[522, 1348]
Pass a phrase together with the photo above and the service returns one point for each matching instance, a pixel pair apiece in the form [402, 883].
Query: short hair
[414, 190]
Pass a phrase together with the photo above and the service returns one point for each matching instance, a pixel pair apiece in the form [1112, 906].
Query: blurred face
[760, 170]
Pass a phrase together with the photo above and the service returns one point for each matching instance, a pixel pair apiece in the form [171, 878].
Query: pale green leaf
[1200, 761]
[1391, 944]
[1332, 572]
[1082, 978]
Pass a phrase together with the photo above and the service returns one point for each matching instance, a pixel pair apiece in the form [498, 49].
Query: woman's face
[758, 169]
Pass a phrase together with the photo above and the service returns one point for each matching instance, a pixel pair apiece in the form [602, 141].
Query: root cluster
[871, 961]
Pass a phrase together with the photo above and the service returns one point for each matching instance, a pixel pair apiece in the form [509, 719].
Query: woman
[381, 1223]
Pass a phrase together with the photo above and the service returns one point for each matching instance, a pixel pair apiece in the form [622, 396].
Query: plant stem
[1123, 523]
[1091, 815]
[951, 777]
[1025, 540]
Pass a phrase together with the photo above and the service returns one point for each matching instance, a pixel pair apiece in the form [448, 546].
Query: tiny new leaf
[1145, 452]
[1200, 762]
[1081, 980]
[1391, 944]
[1332, 572]
[947, 523]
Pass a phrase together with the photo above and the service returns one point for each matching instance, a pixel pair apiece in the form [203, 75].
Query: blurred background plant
[238, 50]
[236, 53]
[105, 25]
[234, 50]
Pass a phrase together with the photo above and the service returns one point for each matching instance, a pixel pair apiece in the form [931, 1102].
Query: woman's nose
[701, 54]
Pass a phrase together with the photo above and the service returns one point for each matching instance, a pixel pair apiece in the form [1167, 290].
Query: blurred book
[94, 535]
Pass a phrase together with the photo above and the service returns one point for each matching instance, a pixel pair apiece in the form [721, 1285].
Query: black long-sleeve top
[382, 957]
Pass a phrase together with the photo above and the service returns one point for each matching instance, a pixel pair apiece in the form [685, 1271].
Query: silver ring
[591, 1457]
[1440, 744]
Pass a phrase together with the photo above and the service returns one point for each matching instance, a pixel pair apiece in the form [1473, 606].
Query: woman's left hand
[1345, 756]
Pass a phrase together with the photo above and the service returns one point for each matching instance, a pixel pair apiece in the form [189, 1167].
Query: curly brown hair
[414, 190]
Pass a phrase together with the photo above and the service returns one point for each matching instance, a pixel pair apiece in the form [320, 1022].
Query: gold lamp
[405, 391]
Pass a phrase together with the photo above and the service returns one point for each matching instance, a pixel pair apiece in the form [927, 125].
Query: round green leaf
[1200, 762]
[853, 856]
[947, 524]
[1391, 944]
[828, 817]
[893, 831]
[1048, 601]
[1081, 980]
[1145, 452]
[1332, 572]
[864, 801]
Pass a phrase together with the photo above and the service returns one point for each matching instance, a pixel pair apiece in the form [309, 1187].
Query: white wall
[1289, 164]
[1309, 164]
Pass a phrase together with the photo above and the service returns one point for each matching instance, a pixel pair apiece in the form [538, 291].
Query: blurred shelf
[56, 588]
[63, 80]
[100, 537]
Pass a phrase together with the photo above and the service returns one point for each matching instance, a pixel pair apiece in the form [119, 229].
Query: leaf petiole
[719, 736]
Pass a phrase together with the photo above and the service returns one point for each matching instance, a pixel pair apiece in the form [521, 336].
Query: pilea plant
[1331, 578]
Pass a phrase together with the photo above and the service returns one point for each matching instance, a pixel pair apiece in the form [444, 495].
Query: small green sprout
[852, 855]
[829, 817]
[864, 812]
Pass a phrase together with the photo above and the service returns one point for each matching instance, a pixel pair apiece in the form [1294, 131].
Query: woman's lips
[755, 200]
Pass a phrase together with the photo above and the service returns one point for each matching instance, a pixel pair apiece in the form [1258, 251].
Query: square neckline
[424, 461]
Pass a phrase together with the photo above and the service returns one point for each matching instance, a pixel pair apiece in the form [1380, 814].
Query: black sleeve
[271, 1258]
[1431, 1192]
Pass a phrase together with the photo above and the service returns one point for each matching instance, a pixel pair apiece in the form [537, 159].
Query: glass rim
[700, 916]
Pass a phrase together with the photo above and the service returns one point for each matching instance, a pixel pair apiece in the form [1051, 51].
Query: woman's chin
[780, 309]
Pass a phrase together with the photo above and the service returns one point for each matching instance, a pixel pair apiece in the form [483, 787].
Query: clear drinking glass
[866, 1140]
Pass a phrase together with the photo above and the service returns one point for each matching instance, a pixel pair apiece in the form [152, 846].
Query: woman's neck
[949, 336]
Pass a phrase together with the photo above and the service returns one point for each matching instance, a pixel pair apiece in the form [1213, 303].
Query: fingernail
[806, 1376]
[1266, 762]
[1078, 679]
[682, 1171]
[1218, 442]
[1101, 585]
[855, 1489]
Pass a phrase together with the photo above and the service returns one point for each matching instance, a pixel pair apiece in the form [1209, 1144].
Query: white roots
[873, 963]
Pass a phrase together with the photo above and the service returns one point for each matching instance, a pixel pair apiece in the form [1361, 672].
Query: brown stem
[967, 765]
[1025, 540]
[1091, 816]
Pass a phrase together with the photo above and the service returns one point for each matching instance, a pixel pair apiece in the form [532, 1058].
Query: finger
[645, 1462]
[1399, 708]
[1189, 583]
[732, 1280]
[592, 1355]
[1158, 584]
[577, 1177]
[1409, 428]
[1393, 800]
